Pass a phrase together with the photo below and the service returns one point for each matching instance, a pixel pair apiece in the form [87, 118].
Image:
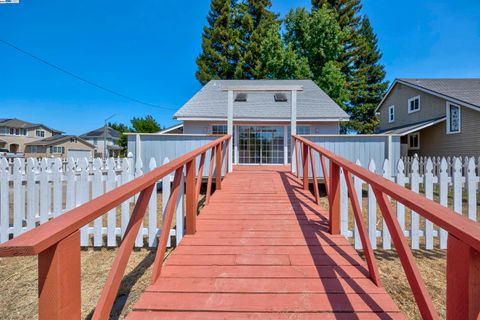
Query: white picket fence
[451, 180]
[32, 192]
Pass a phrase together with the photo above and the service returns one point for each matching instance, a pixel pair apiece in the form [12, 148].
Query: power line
[73, 75]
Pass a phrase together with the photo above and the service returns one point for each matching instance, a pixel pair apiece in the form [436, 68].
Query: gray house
[262, 114]
[435, 117]
[99, 136]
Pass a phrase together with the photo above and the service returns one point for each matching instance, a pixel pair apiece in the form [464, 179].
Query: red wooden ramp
[263, 251]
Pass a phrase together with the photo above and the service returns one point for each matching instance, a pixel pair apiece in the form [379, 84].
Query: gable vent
[241, 97]
[280, 97]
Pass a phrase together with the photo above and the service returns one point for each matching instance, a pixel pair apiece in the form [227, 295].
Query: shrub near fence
[451, 182]
[33, 192]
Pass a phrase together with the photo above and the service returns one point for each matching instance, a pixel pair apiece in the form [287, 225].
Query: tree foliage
[140, 125]
[333, 44]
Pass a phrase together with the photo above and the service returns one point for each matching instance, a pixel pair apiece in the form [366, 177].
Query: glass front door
[261, 145]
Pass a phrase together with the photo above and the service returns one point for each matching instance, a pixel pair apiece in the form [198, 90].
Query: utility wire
[73, 75]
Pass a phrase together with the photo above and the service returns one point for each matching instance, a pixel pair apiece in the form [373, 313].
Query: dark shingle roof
[211, 102]
[17, 123]
[57, 139]
[466, 90]
[98, 133]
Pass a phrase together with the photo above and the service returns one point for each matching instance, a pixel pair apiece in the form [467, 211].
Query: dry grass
[18, 281]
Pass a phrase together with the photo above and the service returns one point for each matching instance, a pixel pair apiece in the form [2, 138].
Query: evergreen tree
[368, 85]
[277, 61]
[255, 20]
[348, 11]
[220, 43]
[318, 38]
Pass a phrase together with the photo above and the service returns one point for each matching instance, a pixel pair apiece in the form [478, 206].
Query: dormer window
[241, 97]
[280, 97]
[40, 133]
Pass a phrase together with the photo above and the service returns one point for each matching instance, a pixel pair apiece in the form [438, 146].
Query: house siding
[431, 107]
[205, 127]
[434, 141]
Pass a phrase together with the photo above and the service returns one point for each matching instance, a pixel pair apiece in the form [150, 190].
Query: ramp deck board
[262, 251]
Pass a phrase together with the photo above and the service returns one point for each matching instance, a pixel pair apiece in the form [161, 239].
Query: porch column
[230, 129]
[293, 127]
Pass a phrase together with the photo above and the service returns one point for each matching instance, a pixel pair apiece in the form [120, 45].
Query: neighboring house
[98, 137]
[64, 146]
[175, 129]
[435, 117]
[262, 116]
[16, 133]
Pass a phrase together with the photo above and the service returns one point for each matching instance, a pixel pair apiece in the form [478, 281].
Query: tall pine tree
[220, 43]
[256, 19]
[368, 85]
[360, 63]
[317, 37]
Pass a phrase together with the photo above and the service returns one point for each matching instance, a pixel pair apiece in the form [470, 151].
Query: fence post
[59, 280]
[191, 210]
[334, 212]
[463, 280]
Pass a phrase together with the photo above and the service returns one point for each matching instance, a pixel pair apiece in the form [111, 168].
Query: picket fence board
[33, 192]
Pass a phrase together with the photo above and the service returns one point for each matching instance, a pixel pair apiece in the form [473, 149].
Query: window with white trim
[414, 141]
[391, 114]
[219, 129]
[414, 104]
[40, 133]
[453, 118]
[55, 149]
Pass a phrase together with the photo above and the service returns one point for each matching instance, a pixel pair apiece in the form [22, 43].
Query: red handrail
[463, 251]
[57, 242]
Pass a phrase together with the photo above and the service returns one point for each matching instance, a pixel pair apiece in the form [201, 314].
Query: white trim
[164, 131]
[447, 106]
[426, 125]
[411, 135]
[419, 104]
[392, 110]
[264, 119]
[433, 93]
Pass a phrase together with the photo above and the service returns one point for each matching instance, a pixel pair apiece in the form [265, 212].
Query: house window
[55, 149]
[95, 141]
[414, 141]
[219, 129]
[453, 118]
[303, 130]
[391, 114]
[414, 104]
[40, 133]
[34, 149]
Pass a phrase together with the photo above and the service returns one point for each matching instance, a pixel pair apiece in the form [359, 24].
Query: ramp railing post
[59, 280]
[191, 205]
[334, 203]
[463, 280]
[305, 165]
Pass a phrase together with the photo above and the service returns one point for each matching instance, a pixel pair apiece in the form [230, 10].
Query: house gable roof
[17, 123]
[98, 133]
[53, 140]
[211, 102]
[463, 91]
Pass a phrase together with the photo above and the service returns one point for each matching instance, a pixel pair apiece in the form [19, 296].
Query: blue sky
[147, 50]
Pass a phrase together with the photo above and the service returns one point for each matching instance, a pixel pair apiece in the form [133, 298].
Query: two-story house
[435, 117]
[38, 140]
[105, 141]
[16, 133]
